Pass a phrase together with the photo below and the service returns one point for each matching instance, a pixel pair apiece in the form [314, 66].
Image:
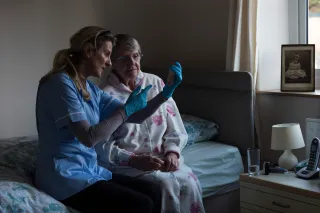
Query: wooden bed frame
[226, 98]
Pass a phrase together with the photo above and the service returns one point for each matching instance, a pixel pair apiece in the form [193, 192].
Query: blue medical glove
[136, 100]
[169, 89]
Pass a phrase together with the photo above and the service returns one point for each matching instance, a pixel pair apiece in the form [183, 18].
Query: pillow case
[199, 129]
[22, 197]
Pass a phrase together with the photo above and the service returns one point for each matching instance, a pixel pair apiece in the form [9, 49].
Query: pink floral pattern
[195, 207]
[162, 83]
[162, 132]
[157, 150]
[193, 176]
[157, 120]
[171, 110]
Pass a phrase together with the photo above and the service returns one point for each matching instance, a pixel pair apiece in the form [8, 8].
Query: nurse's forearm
[91, 135]
[146, 112]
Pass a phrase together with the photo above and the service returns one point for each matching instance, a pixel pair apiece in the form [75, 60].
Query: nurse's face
[99, 60]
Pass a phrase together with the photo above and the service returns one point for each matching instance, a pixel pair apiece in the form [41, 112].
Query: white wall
[33, 30]
[273, 31]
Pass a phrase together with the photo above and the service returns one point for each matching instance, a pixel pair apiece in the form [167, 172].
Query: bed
[226, 98]
[17, 192]
[223, 97]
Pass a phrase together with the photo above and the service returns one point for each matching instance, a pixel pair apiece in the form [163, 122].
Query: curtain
[242, 49]
[242, 45]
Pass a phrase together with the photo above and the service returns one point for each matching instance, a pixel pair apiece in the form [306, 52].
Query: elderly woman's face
[127, 62]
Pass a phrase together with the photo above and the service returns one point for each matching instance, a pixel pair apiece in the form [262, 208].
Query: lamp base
[288, 160]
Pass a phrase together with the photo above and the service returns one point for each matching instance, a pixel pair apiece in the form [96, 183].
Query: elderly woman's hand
[171, 162]
[145, 162]
[169, 89]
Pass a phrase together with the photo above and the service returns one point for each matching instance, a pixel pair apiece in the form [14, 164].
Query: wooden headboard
[224, 97]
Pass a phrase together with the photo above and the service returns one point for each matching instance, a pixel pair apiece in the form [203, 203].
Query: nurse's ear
[89, 50]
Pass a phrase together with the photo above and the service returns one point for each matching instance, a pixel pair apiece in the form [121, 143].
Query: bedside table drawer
[249, 208]
[274, 202]
[247, 211]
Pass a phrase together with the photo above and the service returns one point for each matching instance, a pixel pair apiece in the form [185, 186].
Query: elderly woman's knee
[191, 182]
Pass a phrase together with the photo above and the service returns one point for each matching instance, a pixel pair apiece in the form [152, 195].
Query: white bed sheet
[216, 165]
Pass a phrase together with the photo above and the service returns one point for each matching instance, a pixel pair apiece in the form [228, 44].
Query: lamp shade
[286, 137]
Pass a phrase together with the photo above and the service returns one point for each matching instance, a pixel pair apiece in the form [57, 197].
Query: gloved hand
[136, 100]
[169, 89]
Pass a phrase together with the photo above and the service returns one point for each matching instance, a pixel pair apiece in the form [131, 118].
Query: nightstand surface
[286, 182]
[274, 193]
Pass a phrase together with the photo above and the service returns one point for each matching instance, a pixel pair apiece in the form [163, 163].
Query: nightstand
[275, 193]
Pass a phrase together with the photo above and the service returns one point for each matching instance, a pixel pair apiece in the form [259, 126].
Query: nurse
[73, 115]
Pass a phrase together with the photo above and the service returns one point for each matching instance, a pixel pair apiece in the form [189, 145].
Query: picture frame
[298, 67]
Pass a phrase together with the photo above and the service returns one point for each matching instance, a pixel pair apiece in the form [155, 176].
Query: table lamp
[287, 137]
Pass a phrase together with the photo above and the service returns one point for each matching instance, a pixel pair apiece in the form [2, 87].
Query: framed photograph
[298, 68]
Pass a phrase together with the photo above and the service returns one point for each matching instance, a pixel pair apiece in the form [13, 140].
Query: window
[304, 17]
[313, 26]
[304, 22]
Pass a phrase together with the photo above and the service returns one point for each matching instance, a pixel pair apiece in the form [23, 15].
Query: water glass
[253, 161]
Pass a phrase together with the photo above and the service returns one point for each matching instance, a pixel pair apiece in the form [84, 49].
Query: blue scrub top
[64, 165]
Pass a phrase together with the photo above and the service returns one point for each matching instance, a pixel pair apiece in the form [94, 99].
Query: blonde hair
[65, 59]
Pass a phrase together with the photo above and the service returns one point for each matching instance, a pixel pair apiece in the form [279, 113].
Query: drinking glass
[253, 161]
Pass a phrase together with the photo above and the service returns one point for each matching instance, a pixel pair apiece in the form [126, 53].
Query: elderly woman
[161, 136]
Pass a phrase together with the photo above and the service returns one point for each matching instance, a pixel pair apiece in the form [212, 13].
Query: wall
[193, 33]
[275, 109]
[273, 31]
[32, 31]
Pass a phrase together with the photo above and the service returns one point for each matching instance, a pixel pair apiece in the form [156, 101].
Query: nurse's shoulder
[60, 79]
[58, 82]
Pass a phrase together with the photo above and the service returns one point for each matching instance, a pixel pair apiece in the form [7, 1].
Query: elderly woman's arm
[110, 154]
[175, 137]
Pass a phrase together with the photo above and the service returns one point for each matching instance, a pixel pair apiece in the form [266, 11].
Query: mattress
[216, 165]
